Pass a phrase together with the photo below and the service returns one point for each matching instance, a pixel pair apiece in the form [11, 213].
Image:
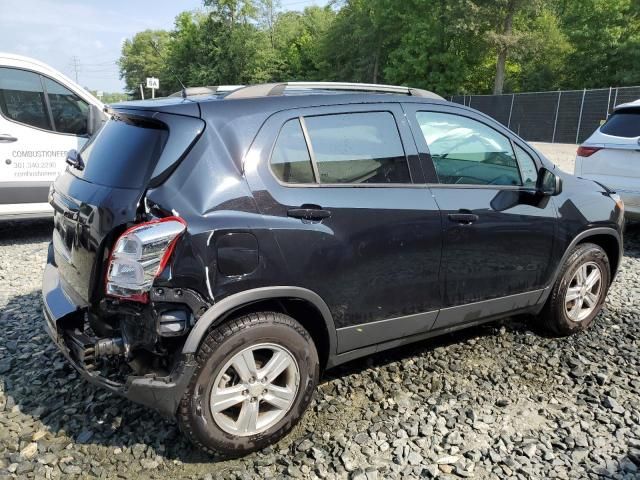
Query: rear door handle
[6, 138]
[309, 213]
[464, 218]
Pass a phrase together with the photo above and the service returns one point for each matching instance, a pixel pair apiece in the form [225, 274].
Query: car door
[40, 121]
[355, 221]
[497, 230]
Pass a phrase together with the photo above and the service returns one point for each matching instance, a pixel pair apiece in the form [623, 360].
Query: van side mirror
[95, 119]
[548, 183]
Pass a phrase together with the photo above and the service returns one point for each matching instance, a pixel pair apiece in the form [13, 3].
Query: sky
[89, 33]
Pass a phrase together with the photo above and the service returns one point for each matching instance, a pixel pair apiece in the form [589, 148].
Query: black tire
[554, 315]
[220, 345]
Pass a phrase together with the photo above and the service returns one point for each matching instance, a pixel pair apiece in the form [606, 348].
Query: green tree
[355, 47]
[542, 64]
[298, 43]
[605, 35]
[139, 60]
[440, 46]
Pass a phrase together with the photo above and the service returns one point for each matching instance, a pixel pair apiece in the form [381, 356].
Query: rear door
[497, 232]
[40, 121]
[354, 219]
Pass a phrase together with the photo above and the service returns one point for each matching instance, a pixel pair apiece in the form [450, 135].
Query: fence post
[584, 92]
[608, 103]
[555, 122]
[469, 100]
[513, 95]
[615, 99]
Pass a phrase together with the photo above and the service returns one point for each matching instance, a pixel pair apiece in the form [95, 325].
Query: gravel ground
[492, 402]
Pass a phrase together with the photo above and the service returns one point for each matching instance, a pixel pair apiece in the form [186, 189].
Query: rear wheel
[255, 378]
[579, 292]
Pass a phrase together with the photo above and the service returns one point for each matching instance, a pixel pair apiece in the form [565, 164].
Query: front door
[40, 121]
[498, 232]
[358, 226]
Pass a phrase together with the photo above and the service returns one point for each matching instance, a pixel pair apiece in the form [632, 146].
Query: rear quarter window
[624, 124]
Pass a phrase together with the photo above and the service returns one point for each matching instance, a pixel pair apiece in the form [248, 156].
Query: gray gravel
[498, 401]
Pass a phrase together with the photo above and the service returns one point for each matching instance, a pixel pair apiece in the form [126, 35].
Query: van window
[468, 152]
[70, 112]
[290, 160]
[625, 124]
[358, 148]
[22, 98]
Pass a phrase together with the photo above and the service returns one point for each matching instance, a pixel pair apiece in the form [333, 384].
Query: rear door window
[624, 124]
[357, 148]
[70, 112]
[22, 98]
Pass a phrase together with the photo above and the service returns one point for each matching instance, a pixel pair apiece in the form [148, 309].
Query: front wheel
[255, 378]
[579, 292]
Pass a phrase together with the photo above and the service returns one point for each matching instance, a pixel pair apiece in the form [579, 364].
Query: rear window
[623, 124]
[123, 152]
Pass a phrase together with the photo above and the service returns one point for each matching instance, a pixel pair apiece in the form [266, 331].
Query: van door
[40, 121]
[358, 226]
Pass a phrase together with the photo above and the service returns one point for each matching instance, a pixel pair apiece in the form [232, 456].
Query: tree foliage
[449, 46]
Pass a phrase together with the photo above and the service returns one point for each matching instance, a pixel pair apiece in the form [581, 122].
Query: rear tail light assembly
[140, 254]
[587, 151]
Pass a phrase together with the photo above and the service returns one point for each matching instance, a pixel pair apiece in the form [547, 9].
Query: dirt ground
[562, 154]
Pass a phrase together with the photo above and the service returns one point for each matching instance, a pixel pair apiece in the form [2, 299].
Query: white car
[43, 115]
[611, 156]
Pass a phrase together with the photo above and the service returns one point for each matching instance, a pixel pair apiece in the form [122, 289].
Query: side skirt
[370, 338]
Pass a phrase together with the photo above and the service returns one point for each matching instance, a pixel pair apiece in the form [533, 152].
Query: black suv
[213, 254]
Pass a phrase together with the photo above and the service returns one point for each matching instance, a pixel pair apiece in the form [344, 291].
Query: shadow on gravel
[380, 359]
[39, 382]
[12, 232]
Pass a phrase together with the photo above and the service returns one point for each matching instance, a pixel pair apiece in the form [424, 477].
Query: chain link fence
[565, 116]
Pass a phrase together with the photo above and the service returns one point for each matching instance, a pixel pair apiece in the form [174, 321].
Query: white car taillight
[140, 255]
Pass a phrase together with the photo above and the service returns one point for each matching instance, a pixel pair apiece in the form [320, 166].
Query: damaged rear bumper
[162, 393]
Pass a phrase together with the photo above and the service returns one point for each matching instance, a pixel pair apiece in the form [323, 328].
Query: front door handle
[308, 212]
[6, 138]
[464, 218]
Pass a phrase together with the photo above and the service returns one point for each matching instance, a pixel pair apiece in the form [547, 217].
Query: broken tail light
[140, 254]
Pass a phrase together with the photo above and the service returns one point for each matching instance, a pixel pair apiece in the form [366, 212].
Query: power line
[75, 65]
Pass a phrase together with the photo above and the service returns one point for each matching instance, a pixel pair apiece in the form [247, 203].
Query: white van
[43, 115]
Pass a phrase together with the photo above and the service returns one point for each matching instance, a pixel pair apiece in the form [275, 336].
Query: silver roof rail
[272, 89]
[208, 90]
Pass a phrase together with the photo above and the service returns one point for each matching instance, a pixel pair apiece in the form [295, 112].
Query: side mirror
[95, 119]
[548, 183]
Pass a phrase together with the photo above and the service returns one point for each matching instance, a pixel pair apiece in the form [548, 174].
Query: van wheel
[579, 291]
[255, 378]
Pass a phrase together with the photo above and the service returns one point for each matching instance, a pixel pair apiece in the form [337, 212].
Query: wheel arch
[304, 305]
[607, 238]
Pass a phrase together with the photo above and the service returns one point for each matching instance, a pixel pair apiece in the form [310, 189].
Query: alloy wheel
[583, 292]
[255, 389]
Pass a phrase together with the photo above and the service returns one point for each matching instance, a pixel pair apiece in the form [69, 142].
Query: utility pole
[75, 64]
